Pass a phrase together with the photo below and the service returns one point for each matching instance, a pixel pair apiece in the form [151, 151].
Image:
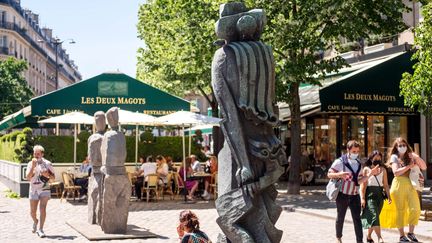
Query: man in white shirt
[39, 172]
[147, 168]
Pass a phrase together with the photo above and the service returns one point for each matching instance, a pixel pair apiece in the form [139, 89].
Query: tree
[297, 31]
[416, 88]
[15, 92]
[179, 38]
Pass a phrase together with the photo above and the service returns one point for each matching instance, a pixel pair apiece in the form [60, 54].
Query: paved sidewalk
[308, 217]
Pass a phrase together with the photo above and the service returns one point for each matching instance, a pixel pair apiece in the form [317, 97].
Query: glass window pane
[325, 140]
[353, 129]
[396, 127]
[375, 133]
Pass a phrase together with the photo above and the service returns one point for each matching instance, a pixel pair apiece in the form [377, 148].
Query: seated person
[211, 168]
[306, 168]
[170, 164]
[84, 168]
[191, 185]
[196, 166]
[148, 167]
[162, 169]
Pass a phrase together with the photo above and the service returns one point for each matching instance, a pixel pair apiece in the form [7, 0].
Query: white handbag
[417, 179]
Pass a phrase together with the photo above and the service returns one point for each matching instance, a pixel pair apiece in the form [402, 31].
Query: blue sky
[104, 31]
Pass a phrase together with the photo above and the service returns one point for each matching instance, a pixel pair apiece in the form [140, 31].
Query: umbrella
[135, 118]
[75, 118]
[186, 118]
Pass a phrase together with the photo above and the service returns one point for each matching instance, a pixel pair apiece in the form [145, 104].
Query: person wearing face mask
[371, 194]
[348, 169]
[405, 209]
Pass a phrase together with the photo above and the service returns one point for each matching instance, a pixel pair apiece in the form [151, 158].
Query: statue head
[238, 24]
[100, 121]
[113, 117]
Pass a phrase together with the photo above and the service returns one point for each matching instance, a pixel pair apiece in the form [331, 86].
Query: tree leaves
[14, 90]
[417, 88]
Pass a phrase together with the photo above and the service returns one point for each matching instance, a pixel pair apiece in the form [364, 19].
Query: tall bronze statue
[251, 160]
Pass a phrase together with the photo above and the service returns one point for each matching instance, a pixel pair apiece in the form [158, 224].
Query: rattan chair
[152, 185]
[214, 184]
[55, 187]
[179, 184]
[167, 188]
[69, 186]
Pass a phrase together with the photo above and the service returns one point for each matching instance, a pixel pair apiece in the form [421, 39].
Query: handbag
[383, 192]
[415, 176]
[333, 188]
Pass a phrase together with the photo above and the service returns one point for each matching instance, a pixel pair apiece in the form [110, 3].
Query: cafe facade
[361, 103]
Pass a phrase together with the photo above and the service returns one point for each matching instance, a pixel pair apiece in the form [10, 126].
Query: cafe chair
[69, 186]
[167, 188]
[130, 177]
[178, 183]
[152, 185]
[55, 187]
[214, 184]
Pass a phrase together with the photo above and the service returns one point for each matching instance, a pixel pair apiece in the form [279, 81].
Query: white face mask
[353, 156]
[402, 150]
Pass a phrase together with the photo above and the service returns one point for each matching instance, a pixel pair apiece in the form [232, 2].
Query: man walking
[39, 172]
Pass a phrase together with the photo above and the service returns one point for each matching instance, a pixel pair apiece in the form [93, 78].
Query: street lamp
[56, 42]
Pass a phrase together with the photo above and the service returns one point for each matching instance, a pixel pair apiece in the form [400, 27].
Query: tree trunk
[294, 173]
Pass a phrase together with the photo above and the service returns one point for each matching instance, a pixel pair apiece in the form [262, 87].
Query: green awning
[105, 91]
[14, 120]
[371, 90]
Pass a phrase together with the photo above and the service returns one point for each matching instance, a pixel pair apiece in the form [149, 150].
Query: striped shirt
[348, 186]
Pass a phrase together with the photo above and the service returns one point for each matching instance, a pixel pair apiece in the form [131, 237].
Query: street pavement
[308, 217]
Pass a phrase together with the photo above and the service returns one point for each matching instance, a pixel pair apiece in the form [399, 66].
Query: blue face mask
[353, 156]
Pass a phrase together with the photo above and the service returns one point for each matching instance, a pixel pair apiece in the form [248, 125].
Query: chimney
[48, 32]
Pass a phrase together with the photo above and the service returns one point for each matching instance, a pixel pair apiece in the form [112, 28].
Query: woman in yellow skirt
[405, 208]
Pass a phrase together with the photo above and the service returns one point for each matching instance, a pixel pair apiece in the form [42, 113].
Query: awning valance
[371, 90]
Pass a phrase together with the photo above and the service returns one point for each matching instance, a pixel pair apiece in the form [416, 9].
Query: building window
[375, 133]
[325, 140]
[397, 126]
[353, 128]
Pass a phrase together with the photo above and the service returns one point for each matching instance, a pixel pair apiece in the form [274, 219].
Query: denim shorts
[38, 194]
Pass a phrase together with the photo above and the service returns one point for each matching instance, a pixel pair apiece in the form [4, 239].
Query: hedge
[59, 149]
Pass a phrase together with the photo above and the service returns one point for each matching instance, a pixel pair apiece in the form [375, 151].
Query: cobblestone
[307, 218]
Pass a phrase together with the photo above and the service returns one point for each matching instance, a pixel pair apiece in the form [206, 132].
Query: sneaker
[412, 237]
[205, 194]
[207, 197]
[34, 227]
[40, 233]
[403, 239]
[338, 240]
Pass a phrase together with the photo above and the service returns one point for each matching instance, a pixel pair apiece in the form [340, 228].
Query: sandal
[412, 237]
[380, 240]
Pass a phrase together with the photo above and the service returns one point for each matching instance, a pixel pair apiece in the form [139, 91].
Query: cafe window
[375, 133]
[397, 126]
[307, 136]
[325, 140]
[353, 128]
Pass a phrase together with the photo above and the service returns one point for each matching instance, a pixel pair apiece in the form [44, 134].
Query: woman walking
[372, 197]
[405, 209]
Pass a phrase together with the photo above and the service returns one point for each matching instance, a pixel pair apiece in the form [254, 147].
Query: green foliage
[83, 136]
[59, 149]
[146, 137]
[417, 88]
[24, 152]
[178, 38]
[11, 194]
[14, 90]
[17, 146]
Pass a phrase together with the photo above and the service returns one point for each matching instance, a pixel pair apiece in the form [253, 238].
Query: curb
[291, 209]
